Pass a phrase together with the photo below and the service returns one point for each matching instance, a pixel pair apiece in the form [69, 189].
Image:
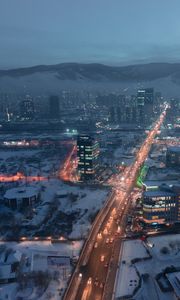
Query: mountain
[48, 79]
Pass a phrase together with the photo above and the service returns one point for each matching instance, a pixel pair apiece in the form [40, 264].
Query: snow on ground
[8, 291]
[6, 154]
[165, 253]
[159, 182]
[161, 174]
[74, 206]
[128, 278]
[89, 201]
[40, 161]
[119, 154]
[139, 250]
[28, 247]
[151, 290]
[174, 278]
[89, 205]
[171, 242]
[40, 251]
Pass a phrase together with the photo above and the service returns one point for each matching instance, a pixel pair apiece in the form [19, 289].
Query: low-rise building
[162, 206]
[173, 157]
[16, 198]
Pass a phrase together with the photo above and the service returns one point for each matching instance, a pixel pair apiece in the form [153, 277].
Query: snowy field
[164, 253]
[128, 278]
[34, 257]
[30, 162]
[63, 210]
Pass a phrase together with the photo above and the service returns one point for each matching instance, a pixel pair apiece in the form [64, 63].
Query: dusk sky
[115, 32]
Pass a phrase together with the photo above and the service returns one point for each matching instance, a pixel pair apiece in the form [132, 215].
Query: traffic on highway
[95, 273]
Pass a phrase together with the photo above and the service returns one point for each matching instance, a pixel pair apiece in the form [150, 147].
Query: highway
[68, 171]
[168, 142]
[20, 176]
[94, 276]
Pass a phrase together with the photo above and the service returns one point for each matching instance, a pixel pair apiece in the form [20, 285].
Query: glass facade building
[173, 157]
[162, 206]
[88, 152]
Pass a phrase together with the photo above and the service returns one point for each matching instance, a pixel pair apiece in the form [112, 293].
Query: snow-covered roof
[14, 257]
[174, 279]
[174, 149]
[158, 193]
[5, 271]
[21, 192]
[159, 182]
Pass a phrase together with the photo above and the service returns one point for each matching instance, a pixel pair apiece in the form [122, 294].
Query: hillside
[53, 78]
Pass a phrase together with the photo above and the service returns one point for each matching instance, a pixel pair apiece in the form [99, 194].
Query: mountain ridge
[93, 77]
[95, 71]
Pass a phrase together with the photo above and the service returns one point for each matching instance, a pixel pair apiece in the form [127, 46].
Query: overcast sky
[106, 31]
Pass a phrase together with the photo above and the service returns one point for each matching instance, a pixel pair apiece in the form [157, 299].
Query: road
[168, 142]
[20, 176]
[99, 258]
[68, 171]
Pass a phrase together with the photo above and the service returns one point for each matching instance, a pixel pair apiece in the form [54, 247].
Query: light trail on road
[102, 261]
[69, 169]
[20, 176]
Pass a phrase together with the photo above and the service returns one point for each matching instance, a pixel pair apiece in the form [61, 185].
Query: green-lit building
[88, 152]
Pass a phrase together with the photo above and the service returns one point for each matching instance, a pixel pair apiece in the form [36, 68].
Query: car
[96, 282]
[99, 236]
[118, 229]
[89, 281]
[106, 265]
[105, 231]
[108, 225]
[102, 258]
[95, 245]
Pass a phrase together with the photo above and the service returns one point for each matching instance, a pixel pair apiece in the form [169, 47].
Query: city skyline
[89, 149]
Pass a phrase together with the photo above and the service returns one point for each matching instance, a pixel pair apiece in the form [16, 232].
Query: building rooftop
[21, 192]
[174, 279]
[5, 272]
[174, 149]
[158, 193]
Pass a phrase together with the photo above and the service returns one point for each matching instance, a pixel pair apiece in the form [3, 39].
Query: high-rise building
[27, 109]
[173, 157]
[144, 103]
[174, 110]
[158, 99]
[140, 106]
[115, 114]
[161, 206]
[112, 114]
[88, 152]
[149, 103]
[54, 110]
[128, 114]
